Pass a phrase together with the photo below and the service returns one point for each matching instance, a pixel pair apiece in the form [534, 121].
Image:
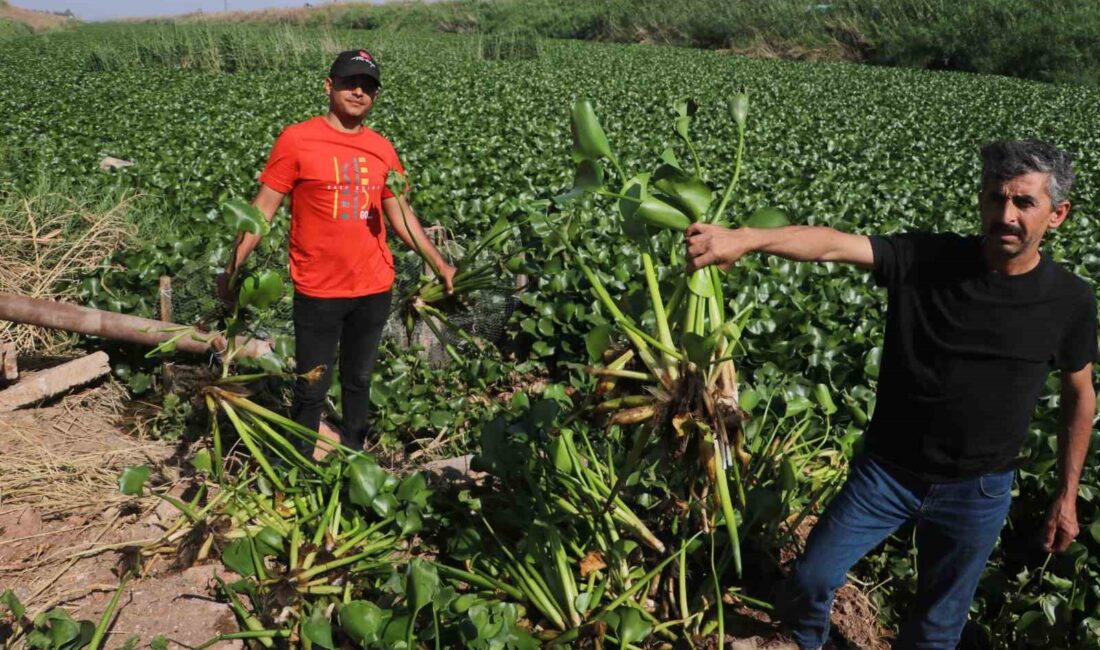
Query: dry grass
[51, 241]
[67, 457]
[289, 15]
[39, 21]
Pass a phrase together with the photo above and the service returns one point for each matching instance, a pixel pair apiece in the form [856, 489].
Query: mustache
[1006, 229]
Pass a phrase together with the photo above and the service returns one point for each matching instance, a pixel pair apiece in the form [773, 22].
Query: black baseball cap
[353, 63]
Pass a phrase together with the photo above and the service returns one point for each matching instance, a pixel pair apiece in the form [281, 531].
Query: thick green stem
[108, 614]
[718, 595]
[480, 580]
[726, 503]
[664, 333]
[736, 173]
[245, 432]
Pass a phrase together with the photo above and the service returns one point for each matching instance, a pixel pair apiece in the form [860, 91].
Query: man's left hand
[447, 274]
[1062, 525]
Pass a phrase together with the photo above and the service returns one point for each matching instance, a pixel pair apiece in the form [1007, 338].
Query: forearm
[808, 243]
[408, 229]
[1077, 410]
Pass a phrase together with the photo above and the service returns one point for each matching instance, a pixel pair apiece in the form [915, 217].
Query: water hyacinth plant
[688, 391]
[481, 269]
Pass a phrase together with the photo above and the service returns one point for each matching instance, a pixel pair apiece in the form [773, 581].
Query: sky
[110, 9]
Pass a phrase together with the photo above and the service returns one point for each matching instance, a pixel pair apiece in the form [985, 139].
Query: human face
[1016, 214]
[351, 97]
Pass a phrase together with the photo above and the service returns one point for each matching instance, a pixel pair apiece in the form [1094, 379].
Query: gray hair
[1007, 159]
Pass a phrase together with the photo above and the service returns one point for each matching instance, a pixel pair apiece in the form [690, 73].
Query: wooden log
[121, 327]
[9, 368]
[38, 386]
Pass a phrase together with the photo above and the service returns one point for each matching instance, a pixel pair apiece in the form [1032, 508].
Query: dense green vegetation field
[863, 149]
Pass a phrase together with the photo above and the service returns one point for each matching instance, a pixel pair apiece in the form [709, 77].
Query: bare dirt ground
[67, 534]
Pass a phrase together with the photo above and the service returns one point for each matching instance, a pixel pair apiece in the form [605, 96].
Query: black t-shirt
[967, 352]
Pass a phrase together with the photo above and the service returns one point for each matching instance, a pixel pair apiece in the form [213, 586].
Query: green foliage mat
[863, 149]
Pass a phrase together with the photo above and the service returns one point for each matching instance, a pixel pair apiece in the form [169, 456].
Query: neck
[998, 262]
[344, 122]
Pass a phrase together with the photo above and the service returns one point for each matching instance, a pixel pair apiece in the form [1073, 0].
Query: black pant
[356, 324]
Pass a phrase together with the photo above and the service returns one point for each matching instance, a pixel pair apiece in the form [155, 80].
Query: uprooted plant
[689, 381]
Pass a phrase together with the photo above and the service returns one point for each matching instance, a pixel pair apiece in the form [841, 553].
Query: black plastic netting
[482, 314]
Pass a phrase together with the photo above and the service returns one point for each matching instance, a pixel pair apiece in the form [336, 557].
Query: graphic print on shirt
[350, 193]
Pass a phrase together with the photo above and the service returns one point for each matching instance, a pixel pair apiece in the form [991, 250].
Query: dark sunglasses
[369, 85]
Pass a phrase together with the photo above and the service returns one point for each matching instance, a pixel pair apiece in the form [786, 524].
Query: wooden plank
[38, 386]
[9, 368]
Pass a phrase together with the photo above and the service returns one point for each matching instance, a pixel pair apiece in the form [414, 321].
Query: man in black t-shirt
[974, 324]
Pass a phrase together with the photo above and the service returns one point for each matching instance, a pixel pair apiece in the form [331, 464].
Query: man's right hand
[225, 292]
[709, 244]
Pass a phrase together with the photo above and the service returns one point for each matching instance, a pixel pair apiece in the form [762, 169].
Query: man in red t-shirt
[334, 169]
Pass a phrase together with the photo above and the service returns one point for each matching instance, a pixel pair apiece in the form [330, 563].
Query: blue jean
[957, 525]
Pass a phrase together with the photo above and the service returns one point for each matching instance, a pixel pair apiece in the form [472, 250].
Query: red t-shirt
[336, 182]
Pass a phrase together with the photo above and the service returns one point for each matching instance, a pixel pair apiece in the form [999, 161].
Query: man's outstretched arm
[709, 244]
[1078, 406]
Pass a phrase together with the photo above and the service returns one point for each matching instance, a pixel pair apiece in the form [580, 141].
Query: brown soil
[67, 534]
[854, 617]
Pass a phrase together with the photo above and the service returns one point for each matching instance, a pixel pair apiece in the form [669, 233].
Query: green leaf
[739, 109]
[318, 629]
[684, 191]
[748, 399]
[824, 398]
[245, 217]
[559, 453]
[699, 283]
[598, 340]
[1049, 603]
[635, 188]
[767, 218]
[260, 291]
[384, 504]
[269, 542]
[237, 557]
[589, 176]
[1059, 583]
[1094, 530]
[139, 382]
[632, 627]
[87, 632]
[362, 621]
[410, 521]
[699, 348]
[659, 214]
[397, 182]
[61, 630]
[132, 480]
[14, 606]
[788, 479]
[414, 489]
[589, 139]
[159, 642]
[797, 404]
[202, 462]
[1027, 618]
[421, 583]
[365, 480]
